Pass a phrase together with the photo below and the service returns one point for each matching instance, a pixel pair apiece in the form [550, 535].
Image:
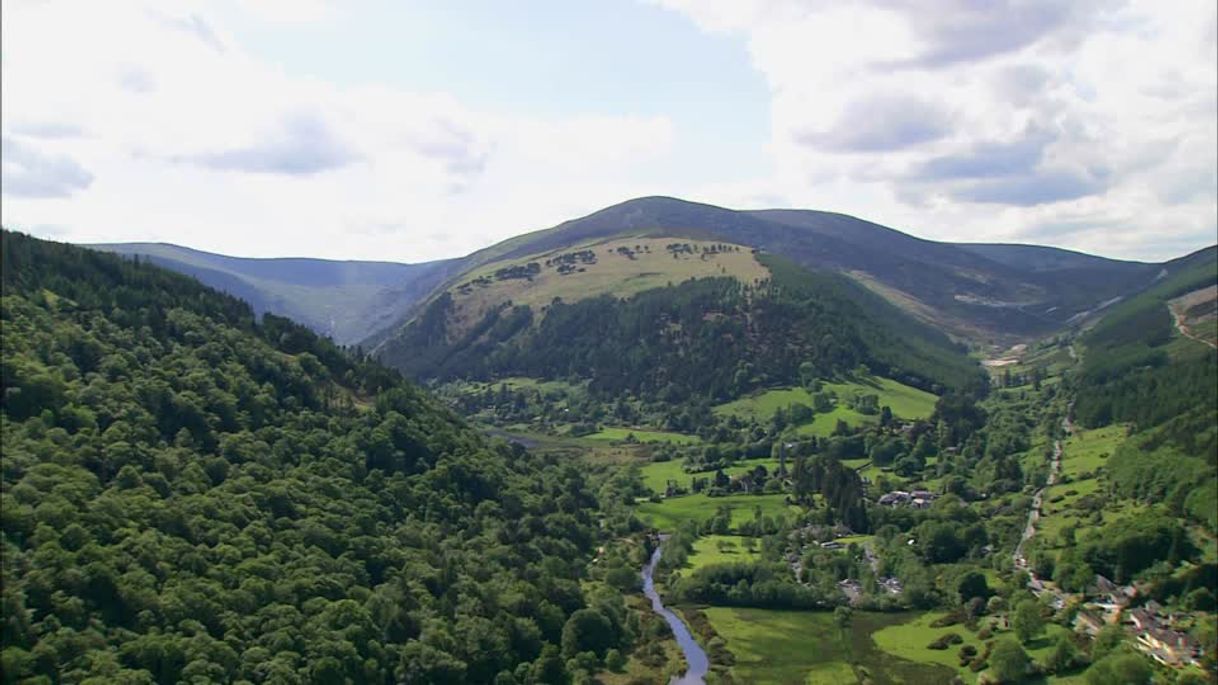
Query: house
[895, 498]
[1088, 622]
[1169, 647]
[1142, 619]
[1103, 586]
[919, 499]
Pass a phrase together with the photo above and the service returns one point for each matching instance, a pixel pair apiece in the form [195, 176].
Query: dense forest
[191, 495]
[1135, 371]
[709, 339]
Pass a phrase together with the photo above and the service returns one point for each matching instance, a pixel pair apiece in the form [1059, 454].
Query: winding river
[695, 656]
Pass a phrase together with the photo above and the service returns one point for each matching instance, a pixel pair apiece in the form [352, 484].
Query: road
[1178, 319]
[1055, 467]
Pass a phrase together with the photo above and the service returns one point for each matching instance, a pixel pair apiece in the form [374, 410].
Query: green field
[657, 474]
[1088, 450]
[822, 425]
[615, 433]
[668, 514]
[909, 641]
[1085, 452]
[707, 551]
[523, 383]
[906, 402]
[808, 648]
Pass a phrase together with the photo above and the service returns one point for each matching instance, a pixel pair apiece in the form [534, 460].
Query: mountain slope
[189, 495]
[346, 300]
[980, 292]
[1140, 369]
[762, 322]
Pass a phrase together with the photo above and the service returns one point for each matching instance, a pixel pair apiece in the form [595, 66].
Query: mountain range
[981, 293]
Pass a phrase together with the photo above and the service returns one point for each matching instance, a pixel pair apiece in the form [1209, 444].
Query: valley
[568, 430]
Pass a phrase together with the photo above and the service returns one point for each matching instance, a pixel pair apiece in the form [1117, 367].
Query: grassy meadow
[720, 549]
[910, 640]
[616, 433]
[809, 648]
[657, 474]
[671, 512]
[906, 402]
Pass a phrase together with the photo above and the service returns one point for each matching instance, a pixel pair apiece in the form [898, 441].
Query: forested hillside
[345, 300]
[1138, 370]
[191, 496]
[711, 338]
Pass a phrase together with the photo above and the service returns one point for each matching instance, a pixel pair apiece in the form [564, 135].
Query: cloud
[27, 172]
[50, 130]
[233, 153]
[1022, 112]
[194, 25]
[879, 123]
[136, 80]
[1033, 189]
[962, 31]
[986, 159]
[304, 144]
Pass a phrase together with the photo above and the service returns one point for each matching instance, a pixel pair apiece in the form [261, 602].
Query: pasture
[657, 474]
[906, 402]
[642, 435]
[670, 513]
[910, 640]
[720, 549]
[809, 648]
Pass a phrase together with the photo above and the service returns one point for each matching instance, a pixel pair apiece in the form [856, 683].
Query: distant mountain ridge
[346, 300]
[982, 292]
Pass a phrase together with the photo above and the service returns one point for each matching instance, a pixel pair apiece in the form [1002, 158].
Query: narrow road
[1178, 318]
[1055, 467]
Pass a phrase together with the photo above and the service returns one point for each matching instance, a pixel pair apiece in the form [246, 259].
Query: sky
[423, 129]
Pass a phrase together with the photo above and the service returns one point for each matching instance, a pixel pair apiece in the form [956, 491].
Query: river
[695, 656]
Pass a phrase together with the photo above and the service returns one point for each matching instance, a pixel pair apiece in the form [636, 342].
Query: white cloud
[1097, 118]
[159, 126]
[1086, 124]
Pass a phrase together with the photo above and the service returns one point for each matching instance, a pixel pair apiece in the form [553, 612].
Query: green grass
[808, 648]
[657, 474]
[761, 406]
[776, 646]
[1088, 450]
[669, 514]
[822, 425]
[707, 552]
[523, 382]
[909, 641]
[906, 402]
[614, 433]
[1085, 452]
[855, 539]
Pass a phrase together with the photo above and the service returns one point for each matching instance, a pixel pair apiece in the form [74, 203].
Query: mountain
[190, 494]
[979, 292]
[988, 293]
[502, 312]
[669, 319]
[346, 300]
[1150, 363]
